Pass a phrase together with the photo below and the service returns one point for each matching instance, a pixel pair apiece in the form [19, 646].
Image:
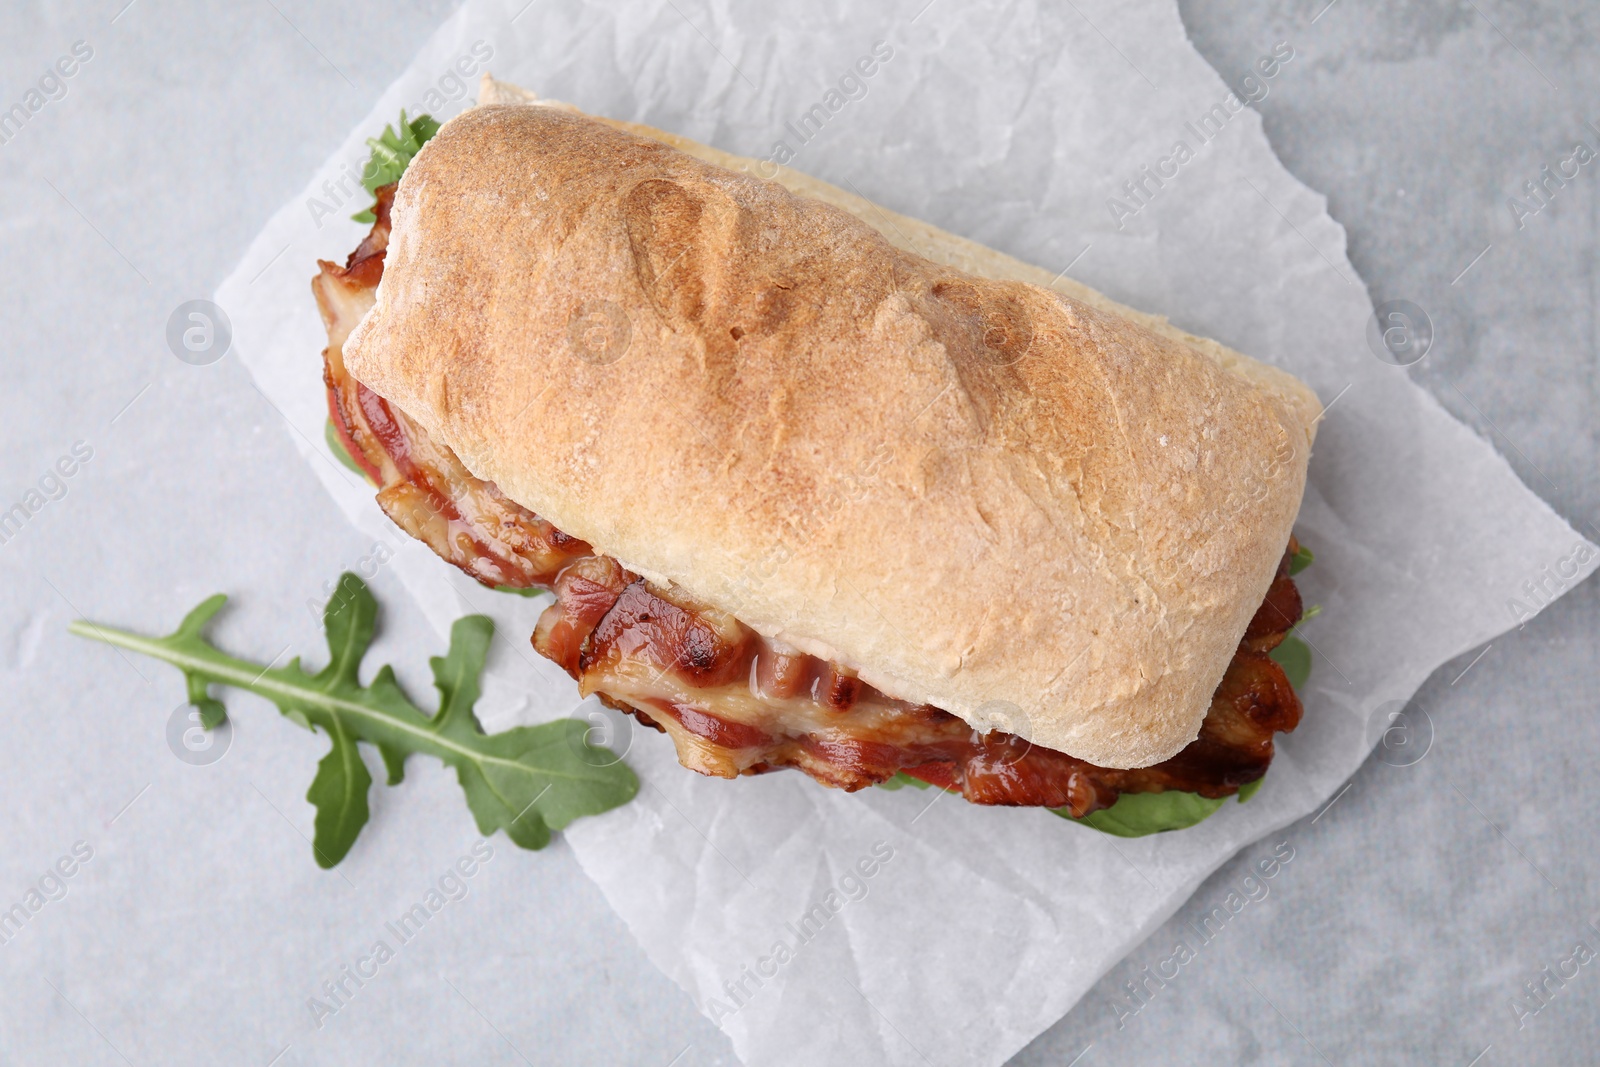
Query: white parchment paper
[819, 927]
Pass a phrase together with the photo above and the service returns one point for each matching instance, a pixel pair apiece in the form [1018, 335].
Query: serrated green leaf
[901, 780]
[527, 781]
[1249, 789]
[1140, 814]
[1302, 559]
[394, 762]
[348, 618]
[392, 153]
[212, 713]
[456, 673]
[203, 612]
[1294, 656]
[339, 793]
[330, 434]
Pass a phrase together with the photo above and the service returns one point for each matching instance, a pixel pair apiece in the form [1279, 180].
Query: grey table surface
[1418, 906]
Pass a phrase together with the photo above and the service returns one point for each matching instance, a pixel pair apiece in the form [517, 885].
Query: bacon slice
[422, 485]
[732, 701]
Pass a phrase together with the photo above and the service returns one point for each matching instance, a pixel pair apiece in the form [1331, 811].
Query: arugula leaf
[212, 713]
[901, 779]
[339, 793]
[520, 590]
[330, 434]
[1302, 558]
[1138, 814]
[392, 153]
[527, 781]
[1294, 656]
[1133, 814]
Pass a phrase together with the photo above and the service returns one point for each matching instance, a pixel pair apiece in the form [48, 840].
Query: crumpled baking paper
[907, 927]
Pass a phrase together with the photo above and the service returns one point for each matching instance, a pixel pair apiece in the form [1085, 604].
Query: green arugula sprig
[392, 153]
[526, 781]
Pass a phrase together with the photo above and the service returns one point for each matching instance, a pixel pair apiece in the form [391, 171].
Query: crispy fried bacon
[732, 701]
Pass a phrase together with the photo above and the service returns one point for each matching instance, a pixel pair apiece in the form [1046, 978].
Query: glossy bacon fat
[732, 701]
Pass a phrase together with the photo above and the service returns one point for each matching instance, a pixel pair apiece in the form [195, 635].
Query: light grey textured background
[1414, 910]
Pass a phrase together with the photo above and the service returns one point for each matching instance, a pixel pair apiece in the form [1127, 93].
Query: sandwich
[815, 485]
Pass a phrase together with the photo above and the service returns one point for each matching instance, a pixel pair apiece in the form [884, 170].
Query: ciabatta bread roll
[881, 444]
